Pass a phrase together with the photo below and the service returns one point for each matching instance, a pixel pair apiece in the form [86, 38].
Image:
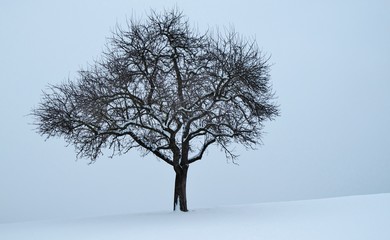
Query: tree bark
[180, 196]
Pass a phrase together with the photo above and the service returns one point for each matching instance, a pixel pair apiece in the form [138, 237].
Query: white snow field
[355, 217]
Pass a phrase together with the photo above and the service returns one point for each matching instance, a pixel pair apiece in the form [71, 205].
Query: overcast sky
[331, 73]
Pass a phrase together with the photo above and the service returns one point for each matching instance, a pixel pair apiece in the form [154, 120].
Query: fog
[330, 72]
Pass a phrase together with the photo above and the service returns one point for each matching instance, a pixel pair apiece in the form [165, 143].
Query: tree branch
[200, 154]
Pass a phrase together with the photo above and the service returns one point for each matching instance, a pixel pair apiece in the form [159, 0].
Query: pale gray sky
[331, 75]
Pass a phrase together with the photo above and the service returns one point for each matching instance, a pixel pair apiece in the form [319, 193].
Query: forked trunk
[180, 197]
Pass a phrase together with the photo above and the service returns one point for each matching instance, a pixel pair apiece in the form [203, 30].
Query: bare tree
[165, 89]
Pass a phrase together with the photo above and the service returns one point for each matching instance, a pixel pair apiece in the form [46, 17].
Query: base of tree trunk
[180, 196]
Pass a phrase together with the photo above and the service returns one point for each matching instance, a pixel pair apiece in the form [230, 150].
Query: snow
[354, 217]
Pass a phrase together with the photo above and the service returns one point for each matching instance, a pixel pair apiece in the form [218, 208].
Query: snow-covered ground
[356, 217]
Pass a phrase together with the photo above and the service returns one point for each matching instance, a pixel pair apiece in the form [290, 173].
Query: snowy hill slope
[356, 217]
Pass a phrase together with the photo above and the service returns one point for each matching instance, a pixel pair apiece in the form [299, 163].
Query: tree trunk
[180, 197]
